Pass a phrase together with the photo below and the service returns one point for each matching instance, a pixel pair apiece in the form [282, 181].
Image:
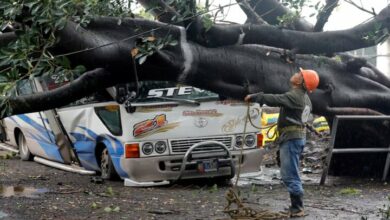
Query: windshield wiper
[185, 101]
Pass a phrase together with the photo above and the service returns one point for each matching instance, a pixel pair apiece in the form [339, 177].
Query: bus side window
[111, 118]
[24, 87]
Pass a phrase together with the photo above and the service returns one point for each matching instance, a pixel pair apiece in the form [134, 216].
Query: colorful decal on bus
[149, 125]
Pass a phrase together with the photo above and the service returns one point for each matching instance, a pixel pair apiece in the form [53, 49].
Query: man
[294, 112]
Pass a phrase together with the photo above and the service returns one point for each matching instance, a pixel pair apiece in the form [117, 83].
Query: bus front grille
[182, 145]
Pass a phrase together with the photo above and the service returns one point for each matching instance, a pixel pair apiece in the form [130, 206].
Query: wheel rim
[23, 144]
[104, 162]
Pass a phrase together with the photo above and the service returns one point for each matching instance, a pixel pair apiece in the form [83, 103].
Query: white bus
[147, 135]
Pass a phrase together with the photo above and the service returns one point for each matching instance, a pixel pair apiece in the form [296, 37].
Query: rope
[232, 195]
[269, 127]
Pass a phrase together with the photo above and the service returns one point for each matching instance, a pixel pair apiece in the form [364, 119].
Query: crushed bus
[150, 134]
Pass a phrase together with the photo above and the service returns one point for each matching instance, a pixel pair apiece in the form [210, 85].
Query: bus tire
[107, 168]
[24, 152]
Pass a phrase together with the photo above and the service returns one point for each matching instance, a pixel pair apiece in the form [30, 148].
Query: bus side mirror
[129, 108]
[121, 94]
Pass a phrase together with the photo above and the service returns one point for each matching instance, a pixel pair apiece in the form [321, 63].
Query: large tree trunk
[346, 85]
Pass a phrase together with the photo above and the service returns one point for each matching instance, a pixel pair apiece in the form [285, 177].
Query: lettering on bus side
[149, 125]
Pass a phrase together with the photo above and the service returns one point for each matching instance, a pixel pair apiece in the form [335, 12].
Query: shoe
[296, 214]
[296, 208]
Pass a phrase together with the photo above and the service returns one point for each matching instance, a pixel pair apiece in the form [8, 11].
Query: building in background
[383, 57]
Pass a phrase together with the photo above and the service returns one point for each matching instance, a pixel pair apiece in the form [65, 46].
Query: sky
[344, 16]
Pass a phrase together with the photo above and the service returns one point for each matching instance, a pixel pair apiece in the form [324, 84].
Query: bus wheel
[107, 167]
[24, 152]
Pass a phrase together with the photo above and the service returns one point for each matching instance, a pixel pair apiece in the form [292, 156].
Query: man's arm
[276, 100]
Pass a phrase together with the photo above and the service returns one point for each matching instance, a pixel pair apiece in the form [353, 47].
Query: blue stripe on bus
[89, 132]
[43, 139]
[51, 150]
[38, 127]
[115, 150]
[80, 137]
[85, 148]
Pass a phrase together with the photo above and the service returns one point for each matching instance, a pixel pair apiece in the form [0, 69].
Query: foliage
[36, 22]
[8, 156]
[350, 191]
[112, 209]
[378, 35]
[147, 46]
[185, 9]
[296, 7]
[144, 14]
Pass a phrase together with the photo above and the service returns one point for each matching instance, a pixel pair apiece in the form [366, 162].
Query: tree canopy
[99, 44]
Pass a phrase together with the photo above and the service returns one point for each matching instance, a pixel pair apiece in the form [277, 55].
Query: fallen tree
[229, 59]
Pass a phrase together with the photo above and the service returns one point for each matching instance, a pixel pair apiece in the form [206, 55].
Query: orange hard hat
[311, 79]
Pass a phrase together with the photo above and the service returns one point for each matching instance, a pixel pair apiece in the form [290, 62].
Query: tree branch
[363, 35]
[379, 76]
[160, 9]
[324, 15]
[252, 15]
[83, 86]
[361, 8]
[270, 10]
[228, 70]
[352, 111]
[225, 70]
[6, 38]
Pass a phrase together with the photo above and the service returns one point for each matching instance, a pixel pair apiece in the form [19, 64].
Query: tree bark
[85, 85]
[231, 71]
[302, 42]
[324, 14]
[270, 10]
[253, 17]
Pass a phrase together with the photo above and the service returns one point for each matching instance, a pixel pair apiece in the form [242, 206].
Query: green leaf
[31, 4]
[60, 23]
[116, 209]
[3, 79]
[207, 22]
[350, 191]
[35, 9]
[108, 209]
[94, 205]
[110, 191]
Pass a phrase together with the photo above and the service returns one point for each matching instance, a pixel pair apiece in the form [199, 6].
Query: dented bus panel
[161, 134]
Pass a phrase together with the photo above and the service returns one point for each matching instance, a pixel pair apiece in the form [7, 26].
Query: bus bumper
[155, 171]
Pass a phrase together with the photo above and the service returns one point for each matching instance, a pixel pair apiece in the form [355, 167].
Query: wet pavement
[29, 190]
[3, 215]
[271, 176]
[21, 191]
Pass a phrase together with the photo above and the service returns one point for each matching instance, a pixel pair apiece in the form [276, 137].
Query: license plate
[206, 166]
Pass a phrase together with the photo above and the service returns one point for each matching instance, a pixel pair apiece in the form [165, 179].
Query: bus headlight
[250, 140]
[160, 147]
[147, 148]
[239, 141]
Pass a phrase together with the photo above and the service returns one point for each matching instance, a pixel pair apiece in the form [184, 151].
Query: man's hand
[248, 98]
[253, 97]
